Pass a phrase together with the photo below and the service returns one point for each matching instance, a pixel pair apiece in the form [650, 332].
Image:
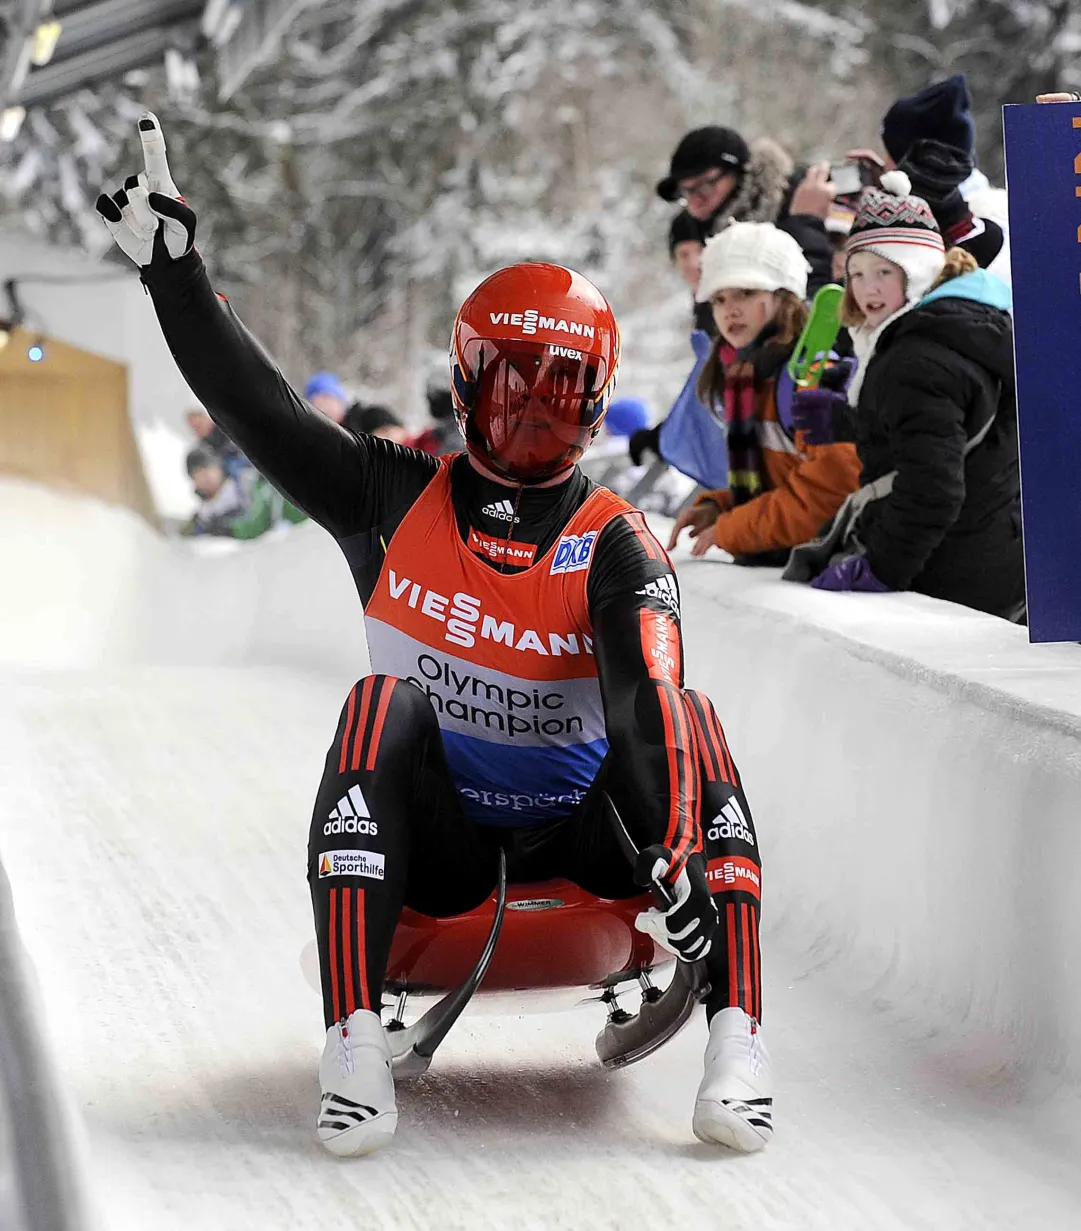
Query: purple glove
[851, 573]
[812, 414]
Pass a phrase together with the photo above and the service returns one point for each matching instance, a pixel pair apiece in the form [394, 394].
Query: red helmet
[533, 364]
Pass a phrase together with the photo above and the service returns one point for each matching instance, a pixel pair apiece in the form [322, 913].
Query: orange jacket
[804, 485]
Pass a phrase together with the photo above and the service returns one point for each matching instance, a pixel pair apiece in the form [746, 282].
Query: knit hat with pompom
[899, 227]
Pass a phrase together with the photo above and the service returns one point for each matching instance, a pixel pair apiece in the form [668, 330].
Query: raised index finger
[158, 178]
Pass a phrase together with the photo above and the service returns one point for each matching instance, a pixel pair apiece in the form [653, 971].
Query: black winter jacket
[951, 526]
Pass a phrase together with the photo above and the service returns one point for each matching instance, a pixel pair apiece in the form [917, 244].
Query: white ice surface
[153, 817]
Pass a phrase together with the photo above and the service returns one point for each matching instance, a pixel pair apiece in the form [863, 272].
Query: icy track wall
[87, 585]
[914, 768]
[915, 774]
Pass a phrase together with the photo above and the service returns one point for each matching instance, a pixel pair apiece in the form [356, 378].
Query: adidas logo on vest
[351, 815]
[501, 510]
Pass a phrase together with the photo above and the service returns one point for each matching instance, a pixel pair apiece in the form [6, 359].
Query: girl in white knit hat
[782, 488]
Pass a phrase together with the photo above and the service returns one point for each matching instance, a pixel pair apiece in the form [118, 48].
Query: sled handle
[663, 894]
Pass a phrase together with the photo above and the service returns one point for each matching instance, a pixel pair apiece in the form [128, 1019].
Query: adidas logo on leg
[351, 815]
[501, 510]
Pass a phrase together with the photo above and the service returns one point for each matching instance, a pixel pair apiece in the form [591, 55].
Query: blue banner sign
[1043, 166]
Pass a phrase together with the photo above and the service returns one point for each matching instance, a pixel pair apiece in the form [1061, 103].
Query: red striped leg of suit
[375, 694]
[347, 959]
[741, 987]
[717, 761]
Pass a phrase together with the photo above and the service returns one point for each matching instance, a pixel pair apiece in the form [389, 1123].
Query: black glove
[687, 928]
[645, 438]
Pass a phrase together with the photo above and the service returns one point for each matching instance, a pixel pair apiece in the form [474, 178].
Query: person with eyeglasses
[719, 178]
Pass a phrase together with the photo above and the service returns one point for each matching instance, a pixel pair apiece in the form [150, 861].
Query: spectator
[838, 224]
[780, 489]
[241, 507]
[376, 421]
[443, 436]
[937, 172]
[723, 179]
[685, 243]
[942, 112]
[933, 415]
[327, 394]
[267, 508]
[625, 417]
[222, 497]
[207, 432]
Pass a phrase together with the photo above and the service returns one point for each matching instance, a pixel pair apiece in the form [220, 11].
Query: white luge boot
[357, 1112]
[734, 1107]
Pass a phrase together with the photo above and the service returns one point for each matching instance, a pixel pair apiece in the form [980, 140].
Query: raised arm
[345, 482]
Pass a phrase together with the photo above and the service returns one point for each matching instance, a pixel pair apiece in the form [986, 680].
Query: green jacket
[268, 507]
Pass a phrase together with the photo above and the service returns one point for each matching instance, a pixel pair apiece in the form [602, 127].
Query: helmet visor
[536, 406]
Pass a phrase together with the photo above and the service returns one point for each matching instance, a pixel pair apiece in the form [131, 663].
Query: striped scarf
[745, 463]
[745, 374]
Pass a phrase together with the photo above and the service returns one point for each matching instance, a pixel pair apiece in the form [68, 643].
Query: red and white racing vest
[505, 659]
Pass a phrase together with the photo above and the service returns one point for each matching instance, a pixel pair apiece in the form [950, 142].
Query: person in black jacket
[722, 179]
[932, 411]
[937, 172]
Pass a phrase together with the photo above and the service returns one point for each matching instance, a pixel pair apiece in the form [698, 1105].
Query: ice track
[153, 821]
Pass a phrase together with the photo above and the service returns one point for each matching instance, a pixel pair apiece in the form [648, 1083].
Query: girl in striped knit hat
[932, 412]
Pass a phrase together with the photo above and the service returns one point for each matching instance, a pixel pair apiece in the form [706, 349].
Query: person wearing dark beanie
[939, 112]
[942, 113]
[686, 238]
[375, 421]
[937, 172]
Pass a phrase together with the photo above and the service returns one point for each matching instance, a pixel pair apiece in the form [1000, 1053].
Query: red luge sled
[537, 936]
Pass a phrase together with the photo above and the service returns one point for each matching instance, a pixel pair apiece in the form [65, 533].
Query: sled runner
[547, 936]
[534, 942]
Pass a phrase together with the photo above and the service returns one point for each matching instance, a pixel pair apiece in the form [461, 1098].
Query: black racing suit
[388, 743]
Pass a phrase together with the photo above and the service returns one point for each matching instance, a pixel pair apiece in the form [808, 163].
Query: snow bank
[87, 585]
[915, 773]
[914, 768]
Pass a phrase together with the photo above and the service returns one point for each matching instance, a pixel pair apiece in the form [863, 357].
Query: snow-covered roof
[101, 40]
